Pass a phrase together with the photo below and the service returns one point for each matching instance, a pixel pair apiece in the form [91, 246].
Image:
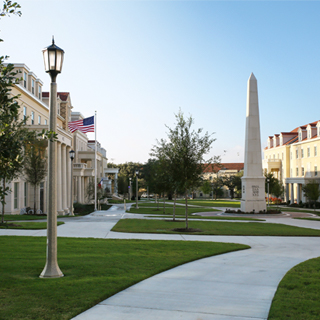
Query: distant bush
[84, 209]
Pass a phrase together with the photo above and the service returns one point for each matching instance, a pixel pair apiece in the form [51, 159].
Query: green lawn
[15, 217]
[213, 228]
[169, 210]
[208, 218]
[27, 225]
[298, 294]
[213, 203]
[94, 270]
[314, 219]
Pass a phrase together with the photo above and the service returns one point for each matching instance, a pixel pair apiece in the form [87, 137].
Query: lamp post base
[51, 272]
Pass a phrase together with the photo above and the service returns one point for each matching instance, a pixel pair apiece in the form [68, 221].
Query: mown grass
[169, 210]
[27, 225]
[94, 270]
[314, 219]
[213, 228]
[298, 294]
[213, 203]
[208, 218]
[20, 217]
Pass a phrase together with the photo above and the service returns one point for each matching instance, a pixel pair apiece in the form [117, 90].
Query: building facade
[293, 158]
[34, 105]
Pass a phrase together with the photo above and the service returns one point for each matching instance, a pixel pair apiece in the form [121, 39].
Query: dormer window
[58, 108]
[309, 133]
[32, 86]
[39, 93]
[300, 135]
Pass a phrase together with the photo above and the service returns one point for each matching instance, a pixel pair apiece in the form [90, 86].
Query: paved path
[238, 285]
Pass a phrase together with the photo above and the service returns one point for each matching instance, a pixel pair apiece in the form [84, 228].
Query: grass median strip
[207, 218]
[26, 225]
[94, 270]
[213, 228]
[298, 293]
[169, 210]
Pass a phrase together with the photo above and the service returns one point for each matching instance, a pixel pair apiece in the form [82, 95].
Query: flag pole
[95, 161]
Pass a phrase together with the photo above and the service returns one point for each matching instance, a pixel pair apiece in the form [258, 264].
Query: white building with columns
[294, 158]
[35, 105]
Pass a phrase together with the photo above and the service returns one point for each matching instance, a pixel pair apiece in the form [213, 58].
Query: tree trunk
[3, 199]
[164, 205]
[187, 224]
[174, 206]
[34, 199]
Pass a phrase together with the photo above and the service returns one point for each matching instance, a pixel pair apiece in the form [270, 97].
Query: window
[308, 152]
[274, 156]
[24, 113]
[25, 79]
[25, 194]
[32, 86]
[39, 92]
[302, 171]
[309, 133]
[15, 195]
[315, 171]
[300, 136]
[58, 108]
[315, 151]
[32, 117]
[39, 119]
[45, 121]
[297, 172]
[297, 153]
[302, 153]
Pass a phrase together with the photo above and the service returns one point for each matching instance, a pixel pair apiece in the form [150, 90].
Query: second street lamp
[137, 173]
[71, 154]
[53, 58]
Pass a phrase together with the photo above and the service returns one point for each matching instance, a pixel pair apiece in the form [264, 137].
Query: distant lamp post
[71, 154]
[137, 173]
[130, 189]
[268, 181]
[212, 191]
[53, 59]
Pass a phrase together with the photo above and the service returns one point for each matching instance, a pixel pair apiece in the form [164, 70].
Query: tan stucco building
[293, 157]
[35, 105]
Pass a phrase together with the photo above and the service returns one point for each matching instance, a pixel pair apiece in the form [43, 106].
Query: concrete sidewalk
[238, 285]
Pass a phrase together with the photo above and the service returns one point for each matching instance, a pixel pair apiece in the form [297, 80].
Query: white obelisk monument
[253, 181]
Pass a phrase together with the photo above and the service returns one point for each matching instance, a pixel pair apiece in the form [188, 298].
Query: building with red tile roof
[293, 158]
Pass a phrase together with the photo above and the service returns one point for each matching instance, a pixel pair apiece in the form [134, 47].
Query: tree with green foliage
[35, 165]
[206, 187]
[184, 151]
[217, 184]
[311, 191]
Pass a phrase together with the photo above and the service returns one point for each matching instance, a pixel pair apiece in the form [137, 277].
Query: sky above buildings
[138, 62]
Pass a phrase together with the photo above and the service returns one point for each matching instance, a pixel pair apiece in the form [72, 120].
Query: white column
[79, 190]
[59, 187]
[82, 190]
[64, 178]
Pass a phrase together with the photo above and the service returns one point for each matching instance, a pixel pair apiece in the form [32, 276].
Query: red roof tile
[223, 166]
[62, 95]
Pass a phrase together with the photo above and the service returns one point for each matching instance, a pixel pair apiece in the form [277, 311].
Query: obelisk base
[253, 194]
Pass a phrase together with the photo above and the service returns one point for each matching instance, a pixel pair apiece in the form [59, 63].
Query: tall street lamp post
[53, 59]
[137, 173]
[71, 154]
[130, 189]
[268, 181]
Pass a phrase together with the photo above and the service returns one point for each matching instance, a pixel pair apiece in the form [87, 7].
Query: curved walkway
[238, 285]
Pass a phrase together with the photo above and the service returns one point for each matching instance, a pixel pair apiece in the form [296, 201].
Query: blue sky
[138, 62]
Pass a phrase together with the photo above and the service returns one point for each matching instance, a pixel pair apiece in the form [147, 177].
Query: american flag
[84, 125]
